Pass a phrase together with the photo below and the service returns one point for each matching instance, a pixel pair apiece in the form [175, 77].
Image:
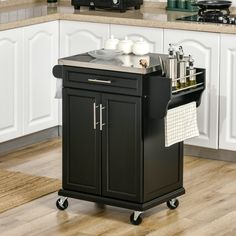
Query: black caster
[172, 204]
[62, 204]
[137, 7]
[135, 218]
[77, 7]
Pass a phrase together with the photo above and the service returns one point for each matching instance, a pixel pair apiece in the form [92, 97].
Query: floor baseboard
[27, 140]
[215, 154]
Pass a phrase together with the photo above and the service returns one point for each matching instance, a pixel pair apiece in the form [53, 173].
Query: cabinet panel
[153, 36]
[82, 143]
[79, 37]
[206, 55]
[227, 128]
[41, 54]
[11, 80]
[121, 147]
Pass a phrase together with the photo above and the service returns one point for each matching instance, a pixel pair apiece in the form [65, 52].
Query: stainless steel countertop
[123, 63]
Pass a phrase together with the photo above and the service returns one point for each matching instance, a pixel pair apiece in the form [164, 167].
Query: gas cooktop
[231, 19]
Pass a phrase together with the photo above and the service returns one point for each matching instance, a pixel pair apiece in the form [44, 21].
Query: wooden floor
[207, 208]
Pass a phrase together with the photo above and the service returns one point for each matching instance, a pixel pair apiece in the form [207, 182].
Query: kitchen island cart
[114, 133]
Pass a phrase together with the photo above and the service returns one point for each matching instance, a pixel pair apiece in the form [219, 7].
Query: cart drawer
[107, 81]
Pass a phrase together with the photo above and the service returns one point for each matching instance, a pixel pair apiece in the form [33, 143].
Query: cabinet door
[82, 143]
[11, 88]
[79, 37]
[41, 54]
[227, 127]
[204, 47]
[153, 36]
[121, 147]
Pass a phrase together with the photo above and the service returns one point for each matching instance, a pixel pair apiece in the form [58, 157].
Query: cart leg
[136, 218]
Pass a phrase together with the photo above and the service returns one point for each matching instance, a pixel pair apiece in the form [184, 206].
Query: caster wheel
[172, 204]
[137, 7]
[138, 221]
[62, 206]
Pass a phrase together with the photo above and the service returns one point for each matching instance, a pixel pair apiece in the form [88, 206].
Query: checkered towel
[181, 124]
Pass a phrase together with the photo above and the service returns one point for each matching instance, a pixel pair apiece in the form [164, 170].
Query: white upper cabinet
[153, 36]
[11, 84]
[79, 37]
[227, 127]
[204, 47]
[40, 55]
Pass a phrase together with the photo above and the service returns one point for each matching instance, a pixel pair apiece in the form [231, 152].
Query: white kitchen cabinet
[11, 84]
[227, 127]
[204, 47]
[40, 55]
[153, 36]
[79, 37]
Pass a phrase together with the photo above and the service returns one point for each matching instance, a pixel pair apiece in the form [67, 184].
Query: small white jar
[140, 47]
[125, 45]
[111, 43]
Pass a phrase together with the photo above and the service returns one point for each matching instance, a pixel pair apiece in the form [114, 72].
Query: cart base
[122, 203]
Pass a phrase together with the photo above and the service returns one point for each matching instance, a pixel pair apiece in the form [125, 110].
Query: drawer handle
[100, 81]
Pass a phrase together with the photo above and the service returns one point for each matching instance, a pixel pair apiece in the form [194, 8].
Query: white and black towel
[181, 124]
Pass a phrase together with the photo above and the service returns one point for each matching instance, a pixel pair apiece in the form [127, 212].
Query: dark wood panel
[163, 166]
[81, 142]
[121, 147]
[121, 83]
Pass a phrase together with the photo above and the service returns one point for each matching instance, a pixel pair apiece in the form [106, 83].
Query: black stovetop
[211, 17]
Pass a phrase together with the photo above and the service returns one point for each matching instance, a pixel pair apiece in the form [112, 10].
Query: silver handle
[94, 116]
[100, 81]
[101, 124]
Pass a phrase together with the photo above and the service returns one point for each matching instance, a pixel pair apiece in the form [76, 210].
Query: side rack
[191, 93]
[200, 82]
[162, 98]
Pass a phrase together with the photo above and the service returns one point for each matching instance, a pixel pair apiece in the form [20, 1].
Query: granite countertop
[150, 15]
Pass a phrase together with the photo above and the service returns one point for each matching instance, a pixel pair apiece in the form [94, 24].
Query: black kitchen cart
[114, 135]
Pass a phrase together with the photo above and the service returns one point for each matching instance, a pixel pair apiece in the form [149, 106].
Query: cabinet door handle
[94, 116]
[100, 81]
[101, 124]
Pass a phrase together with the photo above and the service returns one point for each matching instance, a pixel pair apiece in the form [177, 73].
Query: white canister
[125, 45]
[111, 43]
[141, 47]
